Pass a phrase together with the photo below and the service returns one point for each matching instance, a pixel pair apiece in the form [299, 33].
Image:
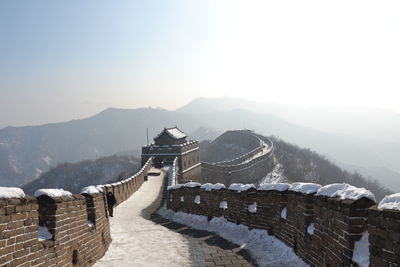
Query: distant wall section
[247, 168]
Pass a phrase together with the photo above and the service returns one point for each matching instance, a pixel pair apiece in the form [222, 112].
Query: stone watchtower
[172, 143]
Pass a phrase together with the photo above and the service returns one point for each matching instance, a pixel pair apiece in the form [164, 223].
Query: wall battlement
[79, 226]
[251, 166]
[323, 231]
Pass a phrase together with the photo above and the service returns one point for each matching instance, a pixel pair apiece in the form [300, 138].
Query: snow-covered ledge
[53, 193]
[11, 192]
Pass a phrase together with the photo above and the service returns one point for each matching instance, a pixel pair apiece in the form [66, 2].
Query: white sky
[157, 54]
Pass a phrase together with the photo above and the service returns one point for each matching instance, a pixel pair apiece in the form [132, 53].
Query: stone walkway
[141, 238]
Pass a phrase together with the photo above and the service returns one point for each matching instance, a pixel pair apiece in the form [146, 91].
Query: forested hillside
[74, 176]
[303, 165]
[293, 164]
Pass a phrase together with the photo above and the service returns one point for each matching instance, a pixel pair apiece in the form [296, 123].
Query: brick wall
[384, 237]
[79, 226]
[243, 169]
[249, 172]
[338, 224]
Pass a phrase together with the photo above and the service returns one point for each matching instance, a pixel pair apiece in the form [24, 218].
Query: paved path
[141, 238]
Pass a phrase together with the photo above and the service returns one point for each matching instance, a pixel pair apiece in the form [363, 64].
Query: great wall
[252, 165]
[338, 223]
[322, 230]
[78, 224]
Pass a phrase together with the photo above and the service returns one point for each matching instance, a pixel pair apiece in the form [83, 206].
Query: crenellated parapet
[384, 236]
[58, 228]
[325, 228]
[250, 167]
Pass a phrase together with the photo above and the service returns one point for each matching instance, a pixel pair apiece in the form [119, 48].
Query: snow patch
[176, 133]
[275, 176]
[38, 172]
[177, 186]
[192, 184]
[284, 213]
[278, 187]
[223, 205]
[197, 200]
[90, 224]
[172, 173]
[91, 190]
[265, 249]
[53, 193]
[241, 187]
[305, 188]
[253, 208]
[345, 191]
[182, 199]
[310, 229]
[12, 162]
[47, 159]
[361, 251]
[390, 202]
[209, 187]
[44, 233]
[11, 192]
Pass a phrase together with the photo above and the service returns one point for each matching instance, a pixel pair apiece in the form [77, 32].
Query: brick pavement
[206, 248]
[143, 238]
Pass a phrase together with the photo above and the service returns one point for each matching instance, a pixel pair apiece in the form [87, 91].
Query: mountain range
[367, 145]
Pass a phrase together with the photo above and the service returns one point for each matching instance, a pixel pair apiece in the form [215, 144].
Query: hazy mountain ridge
[367, 123]
[74, 176]
[361, 153]
[26, 152]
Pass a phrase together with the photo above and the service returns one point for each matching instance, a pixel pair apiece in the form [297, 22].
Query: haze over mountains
[356, 139]
[363, 139]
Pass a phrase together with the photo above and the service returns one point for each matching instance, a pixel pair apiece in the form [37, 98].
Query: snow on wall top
[99, 187]
[192, 184]
[345, 191]
[278, 187]
[172, 173]
[176, 186]
[305, 188]
[241, 187]
[209, 187]
[390, 202]
[11, 192]
[53, 193]
[93, 189]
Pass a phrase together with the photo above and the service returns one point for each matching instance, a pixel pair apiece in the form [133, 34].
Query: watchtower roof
[173, 132]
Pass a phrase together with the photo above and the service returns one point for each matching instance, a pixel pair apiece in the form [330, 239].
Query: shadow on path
[205, 248]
